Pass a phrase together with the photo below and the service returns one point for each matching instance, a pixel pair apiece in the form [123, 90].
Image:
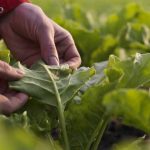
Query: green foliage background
[99, 28]
[52, 7]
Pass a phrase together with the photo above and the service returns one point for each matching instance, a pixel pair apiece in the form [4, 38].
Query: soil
[116, 133]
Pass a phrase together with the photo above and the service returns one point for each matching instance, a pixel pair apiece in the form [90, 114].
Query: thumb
[48, 49]
[9, 73]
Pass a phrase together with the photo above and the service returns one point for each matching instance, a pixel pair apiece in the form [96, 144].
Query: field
[104, 104]
[52, 8]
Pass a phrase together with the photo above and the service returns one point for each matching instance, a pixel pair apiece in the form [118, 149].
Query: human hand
[31, 35]
[10, 100]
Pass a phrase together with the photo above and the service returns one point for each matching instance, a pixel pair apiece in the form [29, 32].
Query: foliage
[55, 85]
[84, 119]
[38, 80]
[14, 137]
[133, 144]
[71, 109]
[123, 34]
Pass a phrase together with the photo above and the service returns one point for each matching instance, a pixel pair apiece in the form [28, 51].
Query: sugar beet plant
[73, 109]
[122, 33]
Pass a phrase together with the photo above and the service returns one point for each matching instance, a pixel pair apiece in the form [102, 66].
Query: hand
[31, 35]
[10, 100]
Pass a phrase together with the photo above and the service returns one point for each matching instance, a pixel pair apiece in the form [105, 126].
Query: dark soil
[116, 133]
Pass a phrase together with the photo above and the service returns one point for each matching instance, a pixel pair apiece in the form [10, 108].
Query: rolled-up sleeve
[8, 5]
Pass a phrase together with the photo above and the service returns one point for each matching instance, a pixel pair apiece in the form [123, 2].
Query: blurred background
[100, 28]
[103, 27]
[54, 7]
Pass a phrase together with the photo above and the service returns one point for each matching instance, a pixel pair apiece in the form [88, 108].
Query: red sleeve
[8, 5]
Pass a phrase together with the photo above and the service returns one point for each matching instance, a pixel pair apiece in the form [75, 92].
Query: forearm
[8, 5]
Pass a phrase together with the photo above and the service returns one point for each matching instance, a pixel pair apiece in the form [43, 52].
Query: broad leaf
[131, 73]
[135, 36]
[130, 104]
[41, 117]
[83, 120]
[39, 85]
[128, 73]
[107, 46]
[97, 78]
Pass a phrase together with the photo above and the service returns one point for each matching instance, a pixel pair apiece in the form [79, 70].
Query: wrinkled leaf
[97, 78]
[38, 84]
[131, 73]
[135, 36]
[41, 117]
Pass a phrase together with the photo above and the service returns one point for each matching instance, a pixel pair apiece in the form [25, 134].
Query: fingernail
[20, 72]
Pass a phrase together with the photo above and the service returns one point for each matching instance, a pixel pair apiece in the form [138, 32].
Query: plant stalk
[101, 133]
[60, 111]
[95, 134]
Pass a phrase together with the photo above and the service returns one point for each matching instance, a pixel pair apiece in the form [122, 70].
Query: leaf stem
[60, 111]
[51, 142]
[94, 135]
[101, 133]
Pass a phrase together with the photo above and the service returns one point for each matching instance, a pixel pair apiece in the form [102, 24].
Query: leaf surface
[131, 73]
[130, 104]
[38, 84]
[83, 119]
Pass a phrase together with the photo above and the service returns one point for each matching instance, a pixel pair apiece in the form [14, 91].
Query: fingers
[66, 47]
[9, 73]
[47, 44]
[12, 102]
[73, 63]
[70, 54]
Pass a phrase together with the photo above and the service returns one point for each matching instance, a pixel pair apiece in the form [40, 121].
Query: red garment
[8, 5]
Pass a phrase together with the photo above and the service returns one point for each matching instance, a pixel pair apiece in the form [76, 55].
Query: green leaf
[37, 83]
[86, 40]
[137, 144]
[5, 55]
[19, 120]
[107, 46]
[135, 36]
[84, 119]
[130, 104]
[52, 86]
[14, 137]
[41, 118]
[116, 21]
[134, 73]
[74, 12]
[97, 78]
